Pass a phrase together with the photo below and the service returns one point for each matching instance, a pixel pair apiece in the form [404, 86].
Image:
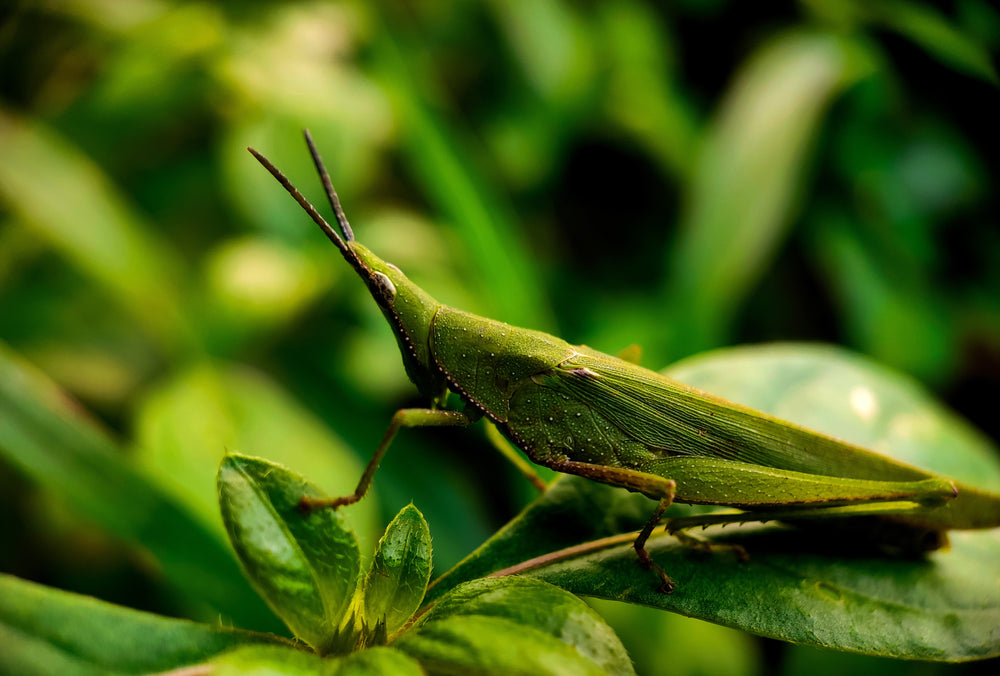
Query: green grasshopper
[579, 411]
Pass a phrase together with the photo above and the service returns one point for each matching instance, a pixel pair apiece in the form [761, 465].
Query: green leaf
[49, 438]
[492, 645]
[928, 28]
[378, 661]
[48, 631]
[696, 646]
[814, 586]
[750, 170]
[817, 589]
[536, 605]
[281, 661]
[398, 576]
[271, 661]
[305, 566]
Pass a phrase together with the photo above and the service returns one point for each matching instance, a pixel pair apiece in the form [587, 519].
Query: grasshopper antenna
[331, 194]
[311, 210]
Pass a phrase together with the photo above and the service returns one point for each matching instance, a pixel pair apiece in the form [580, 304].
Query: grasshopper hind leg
[650, 485]
[667, 583]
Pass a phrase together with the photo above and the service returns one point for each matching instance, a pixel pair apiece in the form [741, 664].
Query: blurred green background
[680, 176]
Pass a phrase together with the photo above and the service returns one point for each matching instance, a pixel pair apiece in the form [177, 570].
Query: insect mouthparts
[385, 287]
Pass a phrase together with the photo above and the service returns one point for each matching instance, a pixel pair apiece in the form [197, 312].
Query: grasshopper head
[407, 307]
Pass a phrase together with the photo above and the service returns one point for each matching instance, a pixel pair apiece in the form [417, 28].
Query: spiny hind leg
[895, 535]
[650, 485]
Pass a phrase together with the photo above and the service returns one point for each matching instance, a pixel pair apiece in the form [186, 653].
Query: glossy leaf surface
[304, 565]
[399, 573]
[48, 631]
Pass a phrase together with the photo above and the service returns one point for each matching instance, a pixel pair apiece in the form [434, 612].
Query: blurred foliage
[678, 175]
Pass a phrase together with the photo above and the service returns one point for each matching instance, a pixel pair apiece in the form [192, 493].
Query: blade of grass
[753, 163]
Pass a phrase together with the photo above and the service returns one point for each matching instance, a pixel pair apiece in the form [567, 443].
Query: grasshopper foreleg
[404, 417]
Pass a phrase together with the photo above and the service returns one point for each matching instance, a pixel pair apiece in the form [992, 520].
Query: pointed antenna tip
[331, 194]
[331, 234]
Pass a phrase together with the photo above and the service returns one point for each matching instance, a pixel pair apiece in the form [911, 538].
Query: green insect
[579, 411]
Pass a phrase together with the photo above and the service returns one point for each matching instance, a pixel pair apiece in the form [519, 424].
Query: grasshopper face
[410, 312]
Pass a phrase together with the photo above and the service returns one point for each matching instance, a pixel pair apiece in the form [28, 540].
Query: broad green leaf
[494, 646]
[818, 589]
[47, 631]
[540, 606]
[816, 586]
[750, 170]
[186, 425]
[50, 439]
[398, 576]
[304, 565]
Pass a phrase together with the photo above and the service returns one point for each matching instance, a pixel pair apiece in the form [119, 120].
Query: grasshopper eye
[383, 287]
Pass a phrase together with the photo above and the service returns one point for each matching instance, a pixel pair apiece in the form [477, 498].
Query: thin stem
[567, 553]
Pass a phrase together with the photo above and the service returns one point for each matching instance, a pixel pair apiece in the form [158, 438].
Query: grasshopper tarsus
[668, 586]
[309, 505]
[667, 583]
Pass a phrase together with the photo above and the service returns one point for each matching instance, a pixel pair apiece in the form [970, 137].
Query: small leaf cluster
[307, 567]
